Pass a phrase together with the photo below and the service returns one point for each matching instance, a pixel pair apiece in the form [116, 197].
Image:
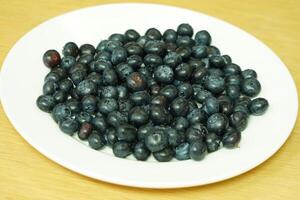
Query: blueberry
[65, 85]
[169, 91]
[133, 48]
[182, 151]
[199, 74]
[83, 117]
[243, 100]
[215, 84]
[203, 38]
[51, 76]
[249, 73]
[110, 77]
[170, 47]
[153, 34]
[122, 149]
[179, 106]
[201, 95]
[69, 126]
[89, 103]
[51, 58]
[152, 61]
[45, 103]
[231, 138]
[123, 70]
[196, 116]
[111, 136]
[213, 142]
[60, 96]
[142, 41]
[251, 87]
[67, 62]
[183, 71]
[185, 90]
[164, 74]
[185, 52]
[70, 49]
[195, 134]
[258, 106]
[156, 140]
[239, 120]
[61, 112]
[217, 122]
[96, 141]
[87, 49]
[86, 59]
[103, 56]
[232, 69]
[155, 47]
[159, 100]
[180, 123]
[99, 66]
[158, 114]
[107, 105]
[99, 123]
[118, 55]
[175, 137]
[218, 62]
[233, 91]
[136, 82]
[211, 105]
[184, 41]
[122, 92]
[125, 105]
[50, 87]
[140, 151]
[170, 36]
[225, 107]
[185, 30]
[126, 132]
[140, 98]
[135, 61]
[112, 45]
[78, 67]
[117, 37]
[198, 150]
[85, 130]
[95, 78]
[138, 116]
[108, 92]
[102, 46]
[227, 59]
[86, 87]
[172, 59]
[74, 105]
[199, 51]
[131, 35]
[164, 155]
[234, 80]
[215, 72]
[143, 131]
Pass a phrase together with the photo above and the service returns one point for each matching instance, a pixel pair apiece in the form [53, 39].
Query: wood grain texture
[26, 174]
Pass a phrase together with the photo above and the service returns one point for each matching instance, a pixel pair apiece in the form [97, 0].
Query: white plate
[23, 73]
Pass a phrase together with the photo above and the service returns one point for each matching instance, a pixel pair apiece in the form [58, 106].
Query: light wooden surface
[26, 174]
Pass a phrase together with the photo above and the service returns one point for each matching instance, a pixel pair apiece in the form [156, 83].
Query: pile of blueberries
[170, 94]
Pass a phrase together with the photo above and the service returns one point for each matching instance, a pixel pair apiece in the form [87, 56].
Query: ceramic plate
[23, 73]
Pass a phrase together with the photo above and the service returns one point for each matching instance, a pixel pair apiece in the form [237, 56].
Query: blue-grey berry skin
[203, 38]
[117, 37]
[50, 87]
[107, 105]
[170, 92]
[118, 55]
[196, 116]
[180, 123]
[125, 105]
[170, 36]
[136, 82]
[108, 92]
[126, 132]
[226, 107]
[175, 137]
[110, 136]
[99, 124]
[241, 108]
[96, 141]
[122, 149]
[217, 122]
[138, 116]
[112, 45]
[78, 76]
[158, 114]
[172, 59]
[182, 151]
[140, 151]
[198, 150]
[164, 74]
[233, 91]
[60, 96]
[249, 73]
[199, 51]
[110, 77]
[213, 142]
[215, 84]
[67, 62]
[51, 76]
[179, 107]
[231, 138]
[131, 35]
[152, 61]
[234, 80]
[211, 105]
[86, 59]
[102, 46]
[185, 52]
[74, 105]
[170, 47]
[140, 98]
[95, 78]
[156, 140]
[155, 47]
[89, 103]
[217, 61]
[70, 49]
[164, 155]
[103, 56]
[133, 48]
[159, 100]
[87, 49]
[69, 126]
[185, 41]
[123, 70]
[143, 131]
[213, 71]
[153, 34]
[183, 71]
[135, 61]
[45, 103]
[195, 134]
[232, 69]
[61, 112]
[185, 30]
[227, 59]
[239, 120]
[258, 106]
[213, 51]
[122, 92]
[83, 117]
[251, 87]
[143, 40]
[202, 95]
[86, 87]
[185, 90]
[65, 85]
[99, 66]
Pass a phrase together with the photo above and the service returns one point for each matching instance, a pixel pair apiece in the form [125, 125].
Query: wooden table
[26, 174]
